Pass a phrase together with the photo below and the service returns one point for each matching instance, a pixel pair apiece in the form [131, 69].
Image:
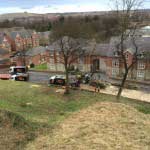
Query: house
[37, 55]
[25, 39]
[5, 42]
[104, 60]
[141, 70]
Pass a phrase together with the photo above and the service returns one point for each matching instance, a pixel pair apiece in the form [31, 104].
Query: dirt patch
[13, 131]
[102, 126]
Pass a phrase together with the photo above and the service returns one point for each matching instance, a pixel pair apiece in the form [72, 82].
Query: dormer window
[127, 56]
[115, 63]
[141, 55]
[116, 53]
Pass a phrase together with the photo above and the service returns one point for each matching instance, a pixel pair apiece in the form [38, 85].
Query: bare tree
[125, 9]
[70, 51]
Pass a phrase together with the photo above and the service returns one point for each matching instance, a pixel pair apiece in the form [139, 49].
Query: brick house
[25, 39]
[5, 42]
[104, 59]
[35, 39]
[37, 55]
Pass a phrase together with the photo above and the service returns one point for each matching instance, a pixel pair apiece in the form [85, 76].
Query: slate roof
[4, 61]
[35, 51]
[143, 44]
[1, 37]
[22, 33]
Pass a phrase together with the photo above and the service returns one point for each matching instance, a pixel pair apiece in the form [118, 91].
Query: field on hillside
[103, 126]
[28, 110]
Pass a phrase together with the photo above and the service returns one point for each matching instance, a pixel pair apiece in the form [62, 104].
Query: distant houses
[27, 47]
[105, 61]
[20, 40]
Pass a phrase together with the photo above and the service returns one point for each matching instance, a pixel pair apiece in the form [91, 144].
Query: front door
[96, 66]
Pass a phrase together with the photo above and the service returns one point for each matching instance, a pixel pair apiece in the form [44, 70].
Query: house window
[115, 72]
[115, 63]
[52, 60]
[18, 44]
[80, 67]
[81, 60]
[58, 59]
[57, 53]
[127, 56]
[141, 65]
[140, 74]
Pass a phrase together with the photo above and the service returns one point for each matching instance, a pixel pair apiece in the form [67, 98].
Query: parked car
[57, 80]
[61, 80]
[19, 73]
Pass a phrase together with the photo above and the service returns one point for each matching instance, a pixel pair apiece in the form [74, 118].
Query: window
[52, 60]
[115, 63]
[115, 72]
[81, 60]
[58, 59]
[18, 44]
[127, 56]
[140, 74]
[141, 65]
[116, 53]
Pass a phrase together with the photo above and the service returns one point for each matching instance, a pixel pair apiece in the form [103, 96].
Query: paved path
[133, 94]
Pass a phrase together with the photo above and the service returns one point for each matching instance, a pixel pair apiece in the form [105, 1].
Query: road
[39, 77]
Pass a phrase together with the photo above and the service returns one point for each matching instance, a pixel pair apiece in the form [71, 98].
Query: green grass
[42, 105]
[43, 108]
[41, 67]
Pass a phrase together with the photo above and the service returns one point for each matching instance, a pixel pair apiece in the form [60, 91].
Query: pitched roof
[22, 33]
[4, 61]
[1, 37]
[143, 44]
[36, 51]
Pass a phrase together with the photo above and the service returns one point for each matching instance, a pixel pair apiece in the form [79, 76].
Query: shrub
[102, 85]
[32, 65]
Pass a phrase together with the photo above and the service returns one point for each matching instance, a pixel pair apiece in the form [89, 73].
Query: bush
[102, 85]
[32, 65]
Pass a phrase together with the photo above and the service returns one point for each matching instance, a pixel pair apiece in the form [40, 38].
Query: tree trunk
[122, 85]
[67, 82]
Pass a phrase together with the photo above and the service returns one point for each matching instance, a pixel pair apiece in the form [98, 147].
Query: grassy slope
[102, 126]
[43, 107]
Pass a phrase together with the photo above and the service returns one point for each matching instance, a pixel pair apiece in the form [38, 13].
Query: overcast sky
[52, 6]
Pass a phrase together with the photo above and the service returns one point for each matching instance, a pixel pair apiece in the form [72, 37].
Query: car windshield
[19, 70]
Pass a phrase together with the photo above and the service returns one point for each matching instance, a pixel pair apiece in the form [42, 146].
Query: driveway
[133, 94]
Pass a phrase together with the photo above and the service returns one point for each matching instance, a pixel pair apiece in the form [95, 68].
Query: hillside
[29, 111]
[11, 16]
[14, 131]
[51, 16]
[103, 126]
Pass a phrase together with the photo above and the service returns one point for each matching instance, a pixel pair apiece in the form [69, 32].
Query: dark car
[57, 80]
